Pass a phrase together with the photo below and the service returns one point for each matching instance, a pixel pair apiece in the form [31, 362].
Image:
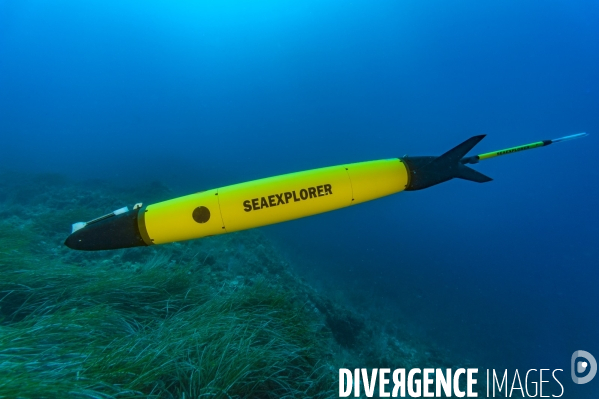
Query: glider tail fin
[458, 152]
[466, 173]
[428, 171]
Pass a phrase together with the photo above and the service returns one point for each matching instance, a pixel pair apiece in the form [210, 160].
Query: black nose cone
[74, 242]
[120, 231]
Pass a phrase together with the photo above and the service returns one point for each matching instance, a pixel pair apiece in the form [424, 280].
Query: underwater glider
[278, 199]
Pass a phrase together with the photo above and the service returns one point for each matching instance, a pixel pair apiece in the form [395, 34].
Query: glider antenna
[476, 158]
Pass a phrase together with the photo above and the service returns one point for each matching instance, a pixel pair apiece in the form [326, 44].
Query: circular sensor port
[201, 214]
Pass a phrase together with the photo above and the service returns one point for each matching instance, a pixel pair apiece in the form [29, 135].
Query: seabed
[222, 317]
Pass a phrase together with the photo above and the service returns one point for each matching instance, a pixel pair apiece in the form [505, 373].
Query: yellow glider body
[271, 200]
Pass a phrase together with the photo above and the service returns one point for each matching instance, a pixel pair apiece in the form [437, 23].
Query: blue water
[205, 94]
